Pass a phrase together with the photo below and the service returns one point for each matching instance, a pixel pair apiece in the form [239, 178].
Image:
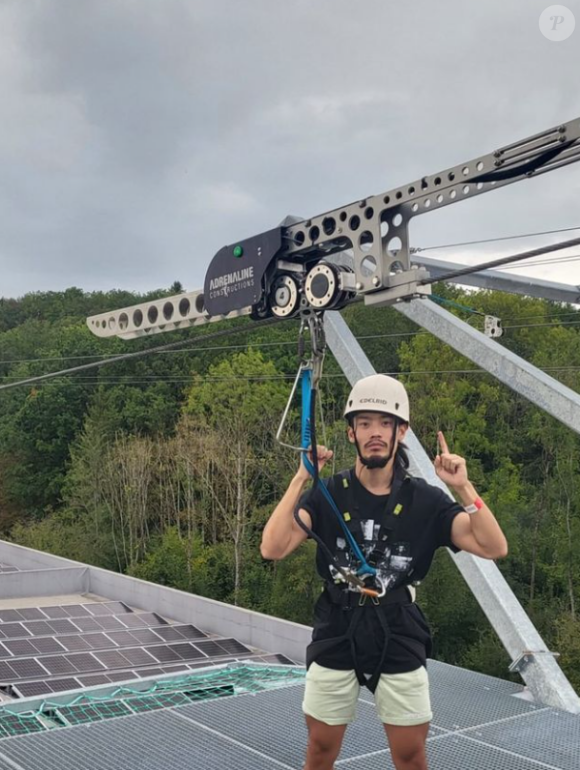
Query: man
[396, 522]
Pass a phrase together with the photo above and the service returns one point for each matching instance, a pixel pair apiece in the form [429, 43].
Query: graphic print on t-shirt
[392, 566]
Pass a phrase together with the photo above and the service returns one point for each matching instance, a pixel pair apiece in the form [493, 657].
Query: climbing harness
[400, 500]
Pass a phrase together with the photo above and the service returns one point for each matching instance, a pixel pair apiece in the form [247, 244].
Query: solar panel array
[52, 649]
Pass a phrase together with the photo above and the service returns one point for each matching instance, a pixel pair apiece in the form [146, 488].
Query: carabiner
[383, 590]
[372, 592]
[318, 344]
[309, 374]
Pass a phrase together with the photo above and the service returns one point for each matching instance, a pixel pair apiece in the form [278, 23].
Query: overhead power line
[187, 378]
[289, 377]
[140, 353]
[556, 261]
[540, 316]
[537, 326]
[502, 261]
[290, 343]
[278, 344]
[495, 240]
[116, 355]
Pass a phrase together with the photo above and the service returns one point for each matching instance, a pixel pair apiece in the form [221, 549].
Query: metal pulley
[284, 296]
[323, 286]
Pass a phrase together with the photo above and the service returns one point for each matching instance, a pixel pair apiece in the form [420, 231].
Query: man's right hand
[323, 454]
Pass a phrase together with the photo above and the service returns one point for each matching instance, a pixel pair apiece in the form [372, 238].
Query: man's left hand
[451, 469]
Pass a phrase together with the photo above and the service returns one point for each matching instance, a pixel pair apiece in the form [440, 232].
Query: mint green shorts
[400, 699]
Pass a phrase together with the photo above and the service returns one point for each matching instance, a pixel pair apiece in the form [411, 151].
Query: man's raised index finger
[443, 443]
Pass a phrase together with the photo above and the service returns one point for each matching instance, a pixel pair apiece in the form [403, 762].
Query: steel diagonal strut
[541, 672]
[515, 372]
[499, 281]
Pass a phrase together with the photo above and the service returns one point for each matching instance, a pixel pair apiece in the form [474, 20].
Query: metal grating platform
[552, 737]
[478, 724]
[148, 742]
[251, 719]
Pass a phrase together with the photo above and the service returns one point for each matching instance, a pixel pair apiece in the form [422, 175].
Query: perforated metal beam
[517, 633]
[378, 226]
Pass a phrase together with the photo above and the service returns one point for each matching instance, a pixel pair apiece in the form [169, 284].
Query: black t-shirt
[422, 526]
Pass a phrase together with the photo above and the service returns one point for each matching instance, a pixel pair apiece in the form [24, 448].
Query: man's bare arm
[477, 533]
[282, 535]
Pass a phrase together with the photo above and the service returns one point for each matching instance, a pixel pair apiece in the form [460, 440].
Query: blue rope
[306, 380]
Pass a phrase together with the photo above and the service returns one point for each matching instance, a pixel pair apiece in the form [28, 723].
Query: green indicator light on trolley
[238, 251]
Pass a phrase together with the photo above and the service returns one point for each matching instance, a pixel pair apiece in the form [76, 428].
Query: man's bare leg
[407, 746]
[324, 743]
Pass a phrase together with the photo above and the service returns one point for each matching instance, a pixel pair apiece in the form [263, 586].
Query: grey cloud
[138, 137]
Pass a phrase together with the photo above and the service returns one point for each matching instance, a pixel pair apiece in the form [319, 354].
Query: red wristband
[475, 506]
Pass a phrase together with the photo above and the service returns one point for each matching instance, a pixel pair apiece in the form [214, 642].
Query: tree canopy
[165, 467]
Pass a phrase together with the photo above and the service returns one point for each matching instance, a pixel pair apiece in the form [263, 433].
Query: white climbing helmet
[379, 393]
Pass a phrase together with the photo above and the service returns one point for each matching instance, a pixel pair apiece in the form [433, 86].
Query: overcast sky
[137, 137]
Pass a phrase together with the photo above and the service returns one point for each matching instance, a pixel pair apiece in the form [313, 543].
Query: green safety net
[127, 699]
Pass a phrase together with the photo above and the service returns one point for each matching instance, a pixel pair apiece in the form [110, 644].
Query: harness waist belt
[346, 599]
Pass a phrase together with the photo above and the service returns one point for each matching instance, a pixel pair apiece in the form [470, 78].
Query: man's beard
[375, 461]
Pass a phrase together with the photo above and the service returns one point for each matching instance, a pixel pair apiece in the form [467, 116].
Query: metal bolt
[358, 286]
[376, 281]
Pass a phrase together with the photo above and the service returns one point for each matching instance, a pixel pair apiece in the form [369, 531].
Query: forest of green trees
[165, 467]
